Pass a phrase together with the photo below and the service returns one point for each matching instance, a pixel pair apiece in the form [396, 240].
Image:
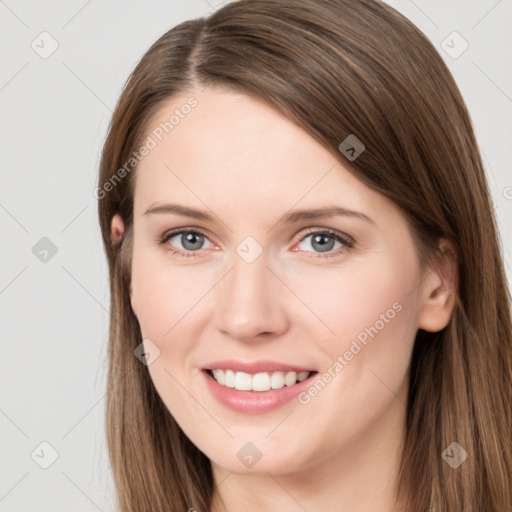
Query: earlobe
[116, 229]
[439, 291]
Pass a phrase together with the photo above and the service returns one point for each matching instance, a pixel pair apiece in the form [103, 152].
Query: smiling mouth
[259, 382]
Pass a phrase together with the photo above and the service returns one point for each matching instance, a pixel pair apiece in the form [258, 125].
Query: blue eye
[325, 240]
[192, 241]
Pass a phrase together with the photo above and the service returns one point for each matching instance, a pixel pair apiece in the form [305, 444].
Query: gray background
[54, 115]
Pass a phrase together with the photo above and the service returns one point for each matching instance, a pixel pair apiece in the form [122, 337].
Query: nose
[251, 301]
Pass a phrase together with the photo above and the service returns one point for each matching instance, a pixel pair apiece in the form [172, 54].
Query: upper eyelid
[309, 231]
[178, 231]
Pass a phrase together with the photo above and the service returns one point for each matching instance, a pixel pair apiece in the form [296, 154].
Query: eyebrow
[288, 218]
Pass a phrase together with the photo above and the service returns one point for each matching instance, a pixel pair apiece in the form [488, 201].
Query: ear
[439, 290]
[116, 229]
[117, 233]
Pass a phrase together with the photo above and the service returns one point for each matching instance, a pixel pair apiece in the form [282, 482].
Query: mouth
[258, 382]
[261, 388]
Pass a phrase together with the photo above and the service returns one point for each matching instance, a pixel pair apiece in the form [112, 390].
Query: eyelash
[348, 242]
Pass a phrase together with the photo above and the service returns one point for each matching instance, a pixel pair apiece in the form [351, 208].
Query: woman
[309, 305]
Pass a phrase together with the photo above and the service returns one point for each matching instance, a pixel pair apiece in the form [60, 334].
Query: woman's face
[311, 317]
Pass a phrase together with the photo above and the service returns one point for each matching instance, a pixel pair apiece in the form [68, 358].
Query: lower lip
[254, 402]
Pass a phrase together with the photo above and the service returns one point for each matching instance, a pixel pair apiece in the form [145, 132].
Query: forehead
[225, 127]
[231, 149]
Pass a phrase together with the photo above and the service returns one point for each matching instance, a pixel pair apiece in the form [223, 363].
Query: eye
[324, 241]
[189, 239]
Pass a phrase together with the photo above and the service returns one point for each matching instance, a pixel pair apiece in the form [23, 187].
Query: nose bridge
[249, 300]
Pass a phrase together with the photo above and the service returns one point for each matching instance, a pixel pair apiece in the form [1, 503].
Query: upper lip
[255, 366]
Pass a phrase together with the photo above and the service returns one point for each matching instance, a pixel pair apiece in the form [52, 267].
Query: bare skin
[247, 165]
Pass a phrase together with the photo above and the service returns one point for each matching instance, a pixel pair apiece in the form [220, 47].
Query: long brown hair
[335, 68]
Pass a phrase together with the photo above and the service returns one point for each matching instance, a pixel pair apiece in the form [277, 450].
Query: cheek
[374, 315]
[373, 291]
[358, 300]
[372, 312]
[164, 294]
[164, 297]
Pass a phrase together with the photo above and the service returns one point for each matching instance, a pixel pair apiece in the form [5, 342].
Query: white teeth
[220, 376]
[263, 381]
[290, 379]
[302, 376]
[243, 381]
[229, 378]
[277, 380]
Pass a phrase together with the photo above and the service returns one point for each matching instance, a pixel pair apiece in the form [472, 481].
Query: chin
[258, 458]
